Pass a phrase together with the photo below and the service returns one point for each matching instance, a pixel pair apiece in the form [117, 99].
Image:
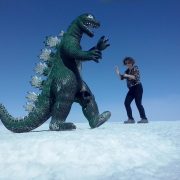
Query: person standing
[135, 87]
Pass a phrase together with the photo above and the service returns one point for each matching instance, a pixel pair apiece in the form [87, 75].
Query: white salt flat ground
[112, 152]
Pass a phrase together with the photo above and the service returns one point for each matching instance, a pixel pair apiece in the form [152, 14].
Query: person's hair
[128, 59]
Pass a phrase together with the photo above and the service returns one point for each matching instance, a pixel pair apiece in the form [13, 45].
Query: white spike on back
[61, 33]
[36, 81]
[40, 67]
[29, 107]
[52, 41]
[20, 118]
[45, 54]
[32, 96]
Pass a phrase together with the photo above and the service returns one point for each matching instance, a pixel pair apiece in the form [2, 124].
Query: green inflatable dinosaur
[64, 84]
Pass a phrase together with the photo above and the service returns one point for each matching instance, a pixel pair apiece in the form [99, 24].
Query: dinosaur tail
[39, 114]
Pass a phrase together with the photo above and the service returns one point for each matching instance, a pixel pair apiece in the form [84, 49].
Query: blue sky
[145, 30]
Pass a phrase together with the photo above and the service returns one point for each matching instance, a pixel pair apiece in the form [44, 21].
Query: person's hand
[117, 70]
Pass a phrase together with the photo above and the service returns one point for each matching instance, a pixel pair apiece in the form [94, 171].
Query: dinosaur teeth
[92, 25]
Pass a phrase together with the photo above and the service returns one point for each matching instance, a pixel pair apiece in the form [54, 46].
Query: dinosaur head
[86, 22]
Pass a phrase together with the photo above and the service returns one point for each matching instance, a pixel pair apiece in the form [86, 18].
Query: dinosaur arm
[101, 45]
[76, 52]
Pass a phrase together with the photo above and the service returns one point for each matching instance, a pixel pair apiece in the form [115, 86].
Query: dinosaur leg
[62, 106]
[90, 109]
[59, 115]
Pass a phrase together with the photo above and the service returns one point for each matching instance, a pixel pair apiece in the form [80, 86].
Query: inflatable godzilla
[64, 84]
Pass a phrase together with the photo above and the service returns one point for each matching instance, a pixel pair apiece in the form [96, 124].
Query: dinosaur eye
[90, 16]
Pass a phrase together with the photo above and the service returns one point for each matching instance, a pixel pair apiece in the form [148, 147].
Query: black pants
[135, 92]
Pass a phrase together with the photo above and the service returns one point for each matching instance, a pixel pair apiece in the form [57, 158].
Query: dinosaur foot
[62, 126]
[103, 118]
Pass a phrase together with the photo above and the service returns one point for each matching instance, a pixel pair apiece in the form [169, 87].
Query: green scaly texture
[64, 84]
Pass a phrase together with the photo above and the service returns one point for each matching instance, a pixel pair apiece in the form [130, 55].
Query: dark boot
[143, 121]
[129, 121]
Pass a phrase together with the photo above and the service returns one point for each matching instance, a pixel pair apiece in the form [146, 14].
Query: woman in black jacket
[134, 85]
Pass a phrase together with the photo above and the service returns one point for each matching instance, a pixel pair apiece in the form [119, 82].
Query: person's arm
[118, 73]
[135, 75]
[129, 76]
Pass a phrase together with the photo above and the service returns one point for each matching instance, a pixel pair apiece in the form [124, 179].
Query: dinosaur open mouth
[91, 25]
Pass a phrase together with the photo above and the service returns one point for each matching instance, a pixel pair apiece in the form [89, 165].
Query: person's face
[129, 64]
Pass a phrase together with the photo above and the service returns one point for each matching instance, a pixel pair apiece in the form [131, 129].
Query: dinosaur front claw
[102, 43]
